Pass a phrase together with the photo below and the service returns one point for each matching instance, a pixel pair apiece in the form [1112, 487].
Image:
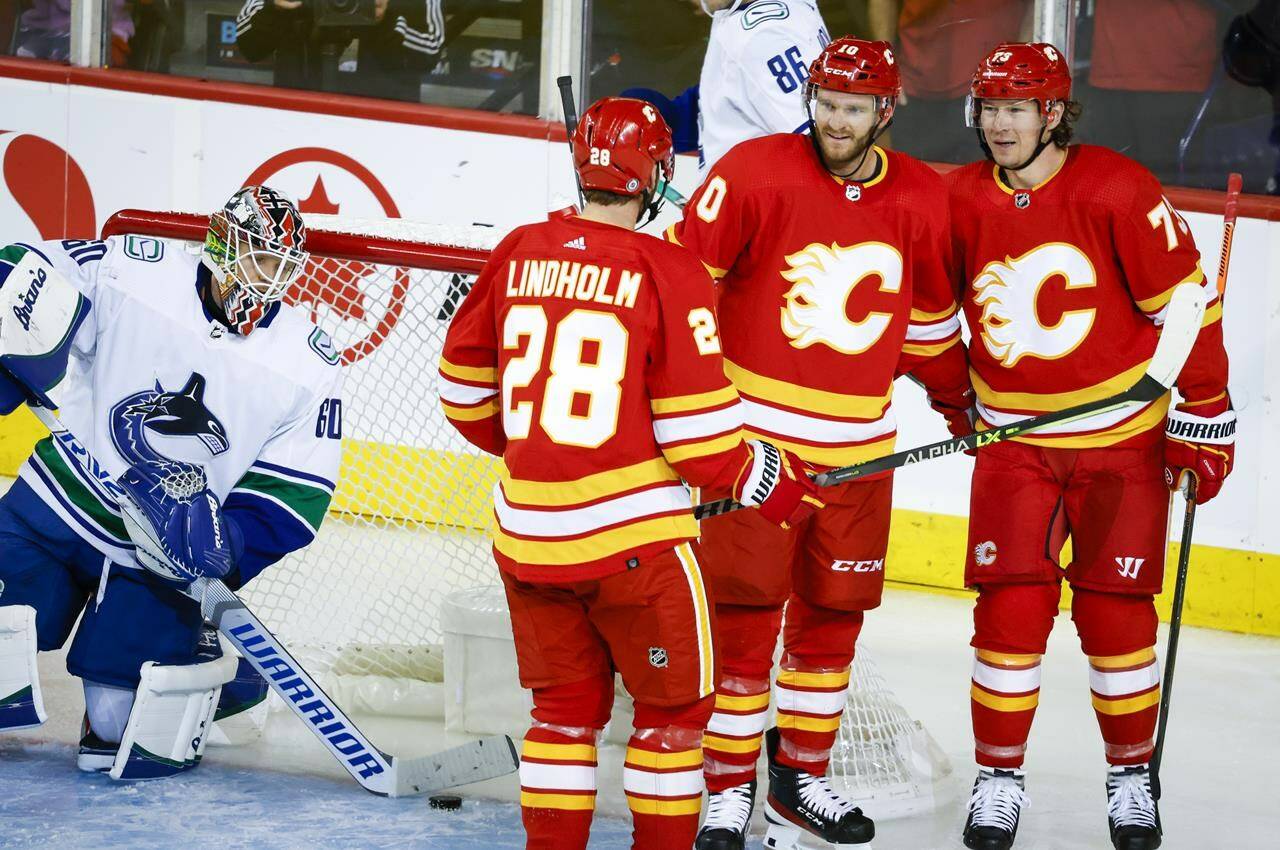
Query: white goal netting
[409, 523]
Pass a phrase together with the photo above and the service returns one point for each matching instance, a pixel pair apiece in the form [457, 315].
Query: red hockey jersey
[828, 290]
[588, 357]
[1066, 288]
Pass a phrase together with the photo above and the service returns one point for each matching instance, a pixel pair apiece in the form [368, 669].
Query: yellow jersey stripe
[1156, 303]
[1045, 402]
[569, 802]
[588, 488]
[650, 760]
[1129, 705]
[470, 414]
[696, 401]
[921, 317]
[558, 752]
[808, 399]
[840, 456]
[997, 703]
[1150, 418]
[479, 374]
[702, 448]
[593, 547]
[929, 349]
[1211, 315]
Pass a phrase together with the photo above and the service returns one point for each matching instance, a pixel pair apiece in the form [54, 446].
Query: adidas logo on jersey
[580, 243]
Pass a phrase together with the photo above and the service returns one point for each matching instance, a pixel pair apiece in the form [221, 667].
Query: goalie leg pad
[170, 718]
[21, 704]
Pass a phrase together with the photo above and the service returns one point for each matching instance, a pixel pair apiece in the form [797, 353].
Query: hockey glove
[777, 482]
[176, 524]
[959, 419]
[1200, 441]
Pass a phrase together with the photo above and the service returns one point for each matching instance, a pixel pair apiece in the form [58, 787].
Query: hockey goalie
[214, 411]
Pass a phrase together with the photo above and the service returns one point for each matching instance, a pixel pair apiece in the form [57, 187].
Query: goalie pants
[45, 564]
[1113, 504]
[651, 624]
[826, 571]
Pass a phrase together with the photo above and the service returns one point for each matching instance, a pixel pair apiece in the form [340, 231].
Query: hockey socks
[732, 742]
[1126, 700]
[1003, 700]
[662, 779]
[557, 786]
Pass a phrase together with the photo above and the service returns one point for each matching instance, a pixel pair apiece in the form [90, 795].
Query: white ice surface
[1220, 763]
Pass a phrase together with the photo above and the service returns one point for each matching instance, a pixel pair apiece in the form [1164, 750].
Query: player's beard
[837, 161]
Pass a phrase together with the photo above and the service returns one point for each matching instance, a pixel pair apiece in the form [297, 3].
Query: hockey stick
[1175, 629]
[1234, 184]
[570, 126]
[376, 771]
[1171, 353]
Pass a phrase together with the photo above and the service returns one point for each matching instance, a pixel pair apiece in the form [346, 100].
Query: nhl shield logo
[853, 192]
[657, 657]
[1022, 200]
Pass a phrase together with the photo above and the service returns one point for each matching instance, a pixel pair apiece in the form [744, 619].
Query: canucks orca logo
[174, 414]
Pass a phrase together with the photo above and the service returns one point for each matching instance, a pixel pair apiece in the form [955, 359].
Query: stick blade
[487, 758]
[1181, 327]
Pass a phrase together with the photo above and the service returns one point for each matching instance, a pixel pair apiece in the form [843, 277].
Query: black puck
[448, 802]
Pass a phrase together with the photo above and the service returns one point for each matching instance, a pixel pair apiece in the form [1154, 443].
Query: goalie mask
[255, 250]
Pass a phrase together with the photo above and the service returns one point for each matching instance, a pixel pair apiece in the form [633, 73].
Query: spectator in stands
[1251, 55]
[1151, 62]
[402, 43]
[44, 31]
[939, 44]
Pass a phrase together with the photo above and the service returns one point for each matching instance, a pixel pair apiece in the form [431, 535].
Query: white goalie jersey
[753, 76]
[152, 377]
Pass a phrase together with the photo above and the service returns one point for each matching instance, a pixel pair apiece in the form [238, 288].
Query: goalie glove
[176, 524]
[1200, 440]
[777, 482]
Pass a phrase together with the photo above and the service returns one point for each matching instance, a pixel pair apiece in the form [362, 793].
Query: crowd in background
[1188, 87]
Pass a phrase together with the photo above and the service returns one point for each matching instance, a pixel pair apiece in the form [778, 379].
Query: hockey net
[409, 522]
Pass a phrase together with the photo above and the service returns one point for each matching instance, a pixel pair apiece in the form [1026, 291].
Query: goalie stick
[1186, 309]
[1234, 184]
[376, 771]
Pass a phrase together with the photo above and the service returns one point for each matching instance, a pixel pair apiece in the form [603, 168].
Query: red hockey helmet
[1021, 71]
[856, 66]
[617, 144]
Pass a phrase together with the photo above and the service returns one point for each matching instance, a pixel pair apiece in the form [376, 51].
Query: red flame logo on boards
[45, 194]
[357, 303]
